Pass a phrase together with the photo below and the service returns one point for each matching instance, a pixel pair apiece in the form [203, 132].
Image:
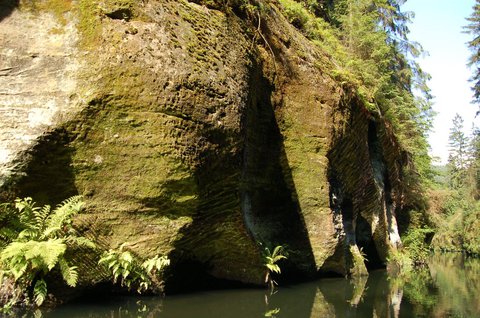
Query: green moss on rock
[195, 141]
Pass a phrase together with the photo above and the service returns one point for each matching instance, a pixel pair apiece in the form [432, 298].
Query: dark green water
[449, 287]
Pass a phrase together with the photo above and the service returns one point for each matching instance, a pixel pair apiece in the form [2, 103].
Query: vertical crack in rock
[382, 181]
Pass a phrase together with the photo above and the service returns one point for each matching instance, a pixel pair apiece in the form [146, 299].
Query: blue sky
[437, 26]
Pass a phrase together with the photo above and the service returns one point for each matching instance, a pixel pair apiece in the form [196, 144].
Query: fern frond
[158, 263]
[40, 292]
[27, 234]
[7, 234]
[125, 257]
[24, 204]
[69, 273]
[73, 203]
[278, 258]
[80, 241]
[70, 206]
[107, 257]
[62, 214]
[18, 269]
[278, 251]
[47, 251]
[273, 268]
[6, 212]
[25, 207]
[12, 250]
[39, 217]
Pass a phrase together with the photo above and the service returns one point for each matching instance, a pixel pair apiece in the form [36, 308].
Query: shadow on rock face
[49, 176]
[7, 7]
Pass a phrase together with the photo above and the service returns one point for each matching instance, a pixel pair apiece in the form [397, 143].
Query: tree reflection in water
[448, 287]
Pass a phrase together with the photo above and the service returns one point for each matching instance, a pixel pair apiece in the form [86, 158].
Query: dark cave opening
[366, 244]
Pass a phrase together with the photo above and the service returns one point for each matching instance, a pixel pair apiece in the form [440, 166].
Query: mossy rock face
[191, 135]
[158, 111]
[156, 148]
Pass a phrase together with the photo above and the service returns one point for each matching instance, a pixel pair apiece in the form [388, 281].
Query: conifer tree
[458, 154]
[474, 45]
[474, 165]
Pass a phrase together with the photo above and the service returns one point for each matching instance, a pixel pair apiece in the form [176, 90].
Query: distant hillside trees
[463, 162]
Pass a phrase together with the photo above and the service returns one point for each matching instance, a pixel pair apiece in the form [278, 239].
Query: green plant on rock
[271, 259]
[130, 272]
[272, 313]
[36, 244]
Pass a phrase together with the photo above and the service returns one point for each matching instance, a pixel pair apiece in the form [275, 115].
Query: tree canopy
[473, 28]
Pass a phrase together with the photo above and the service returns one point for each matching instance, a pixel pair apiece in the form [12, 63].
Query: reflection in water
[458, 281]
[449, 287]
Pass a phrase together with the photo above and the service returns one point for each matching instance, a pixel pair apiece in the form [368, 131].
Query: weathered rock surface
[38, 68]
[191, 134]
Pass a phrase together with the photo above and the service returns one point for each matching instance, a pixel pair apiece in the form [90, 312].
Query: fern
[7, 234]
[47, 253]
[40, 292]
[270, 262]
[9, 224]
[39, 216]
[80, 241]
[43, 238]
[18, 256]
[124, 265]
[69, 273]
[27, 234]
[156, 264]
[26, 208]
[62, 214]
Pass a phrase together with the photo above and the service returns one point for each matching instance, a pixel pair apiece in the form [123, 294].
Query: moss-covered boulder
[196, 131]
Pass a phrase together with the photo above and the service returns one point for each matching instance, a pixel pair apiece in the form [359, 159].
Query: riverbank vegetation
[37, 243]
[271, 259]
[455, 205]
[130, 272]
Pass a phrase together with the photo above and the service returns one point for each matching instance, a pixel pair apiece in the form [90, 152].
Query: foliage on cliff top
[372, 56]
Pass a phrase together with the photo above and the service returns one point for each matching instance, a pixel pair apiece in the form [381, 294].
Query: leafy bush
[296, 14]
[456, 219]
[35, 242]
[416, 244]
[416, 249]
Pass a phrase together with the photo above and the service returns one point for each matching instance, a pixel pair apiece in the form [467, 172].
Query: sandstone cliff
[195, 130]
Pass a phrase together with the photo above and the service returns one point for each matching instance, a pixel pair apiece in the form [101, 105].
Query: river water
[448, 287]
